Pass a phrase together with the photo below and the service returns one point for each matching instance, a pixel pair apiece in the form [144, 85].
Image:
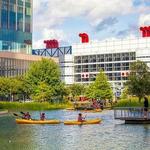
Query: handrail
[130, 112]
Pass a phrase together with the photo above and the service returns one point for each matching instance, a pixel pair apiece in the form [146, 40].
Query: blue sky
[101, 19]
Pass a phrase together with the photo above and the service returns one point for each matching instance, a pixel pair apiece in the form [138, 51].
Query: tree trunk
[140, 99]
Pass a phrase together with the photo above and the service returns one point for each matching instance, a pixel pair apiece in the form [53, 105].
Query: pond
[109, 135]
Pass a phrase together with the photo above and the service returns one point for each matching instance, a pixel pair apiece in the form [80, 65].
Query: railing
[125, 113]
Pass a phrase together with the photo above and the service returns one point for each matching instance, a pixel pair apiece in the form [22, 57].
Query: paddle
[22, 112]
[17, 115]
[84, 116]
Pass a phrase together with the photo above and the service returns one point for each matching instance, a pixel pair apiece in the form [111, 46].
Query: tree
[100, 88]
[10, 87]
[4, 87]
[43, 92]
[77, 89]
[44, 74]
[125, 93]
[139, 79]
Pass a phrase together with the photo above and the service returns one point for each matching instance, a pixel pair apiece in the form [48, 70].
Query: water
[109, 135]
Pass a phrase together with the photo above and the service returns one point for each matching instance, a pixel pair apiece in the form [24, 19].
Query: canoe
[74, 122]
[24, 121]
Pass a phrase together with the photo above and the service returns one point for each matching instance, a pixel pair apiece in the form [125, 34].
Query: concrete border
[2, 112]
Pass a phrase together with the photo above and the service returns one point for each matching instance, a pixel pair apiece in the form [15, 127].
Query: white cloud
[49, 14]
[144, 20]
[130, 36]
[47, 34]
[38, 44]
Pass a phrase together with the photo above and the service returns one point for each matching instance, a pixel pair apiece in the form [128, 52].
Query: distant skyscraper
[16, 26]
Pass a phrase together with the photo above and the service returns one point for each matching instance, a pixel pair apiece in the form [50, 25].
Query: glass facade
[16, 26]
[10, 67]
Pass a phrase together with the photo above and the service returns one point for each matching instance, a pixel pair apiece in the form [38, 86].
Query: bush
[131, 102]
[33, 106]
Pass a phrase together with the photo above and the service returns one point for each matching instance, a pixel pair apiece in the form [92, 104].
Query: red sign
[51, 43]
[125, 74]
[145, 31]
[84, 37]
[85, 75]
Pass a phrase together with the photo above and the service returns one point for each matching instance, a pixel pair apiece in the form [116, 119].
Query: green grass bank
[131, 102]
[32, 106]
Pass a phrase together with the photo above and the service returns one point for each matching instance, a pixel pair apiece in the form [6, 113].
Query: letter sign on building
[84, 37]
[145, 31]
[85, 75]
[51, 43]
[125, 73]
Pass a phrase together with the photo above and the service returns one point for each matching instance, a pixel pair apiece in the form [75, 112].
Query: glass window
[85, 59]
[77, 59]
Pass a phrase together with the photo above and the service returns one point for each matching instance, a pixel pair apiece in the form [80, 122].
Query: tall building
[16, 26]
[16, 37]
[114, 57]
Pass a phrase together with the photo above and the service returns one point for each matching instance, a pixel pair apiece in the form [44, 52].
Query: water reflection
[110, 135]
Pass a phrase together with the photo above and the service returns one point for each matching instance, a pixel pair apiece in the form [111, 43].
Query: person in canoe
[26, 116]
[42, 116]
[81, 118]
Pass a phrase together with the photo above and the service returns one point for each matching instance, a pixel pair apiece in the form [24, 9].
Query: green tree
[45, 73]
[10, 87]
[77, 89]
[125, 93]
[43, 92]
[100, 88]
[139, 79]
[26, 89]
[4, 90]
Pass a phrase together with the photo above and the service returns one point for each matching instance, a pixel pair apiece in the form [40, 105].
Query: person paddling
[42, 116]
[81, 118]
[26, 116]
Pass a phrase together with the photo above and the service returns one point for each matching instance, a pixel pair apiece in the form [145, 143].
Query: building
[16, 26]
[113, 57]
[16, 37]
[15, 64]
[64, 55]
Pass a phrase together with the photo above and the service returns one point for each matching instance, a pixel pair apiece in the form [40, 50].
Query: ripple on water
[109, 135]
